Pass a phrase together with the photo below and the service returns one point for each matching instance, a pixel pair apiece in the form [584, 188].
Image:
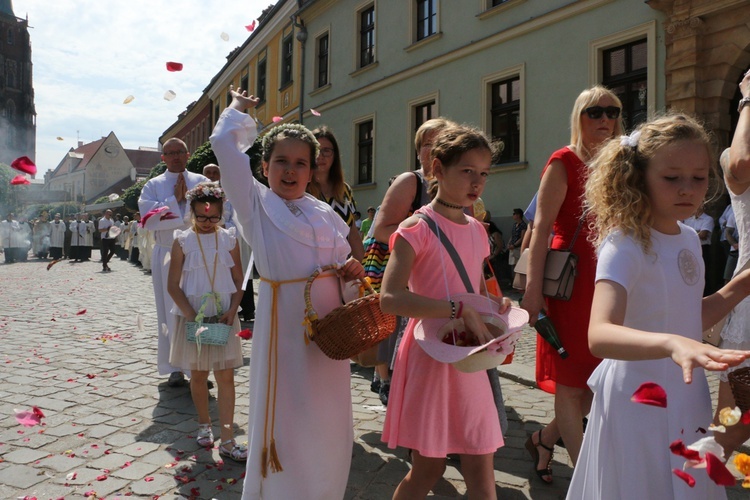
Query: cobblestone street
[71, 346]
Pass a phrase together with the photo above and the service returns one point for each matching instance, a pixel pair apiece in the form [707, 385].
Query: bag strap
[451, 251]
[578, 230]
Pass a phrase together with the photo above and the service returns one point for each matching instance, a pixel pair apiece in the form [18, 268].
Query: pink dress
[433, 408]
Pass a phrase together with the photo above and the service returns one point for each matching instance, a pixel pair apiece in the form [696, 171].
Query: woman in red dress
[596, 118]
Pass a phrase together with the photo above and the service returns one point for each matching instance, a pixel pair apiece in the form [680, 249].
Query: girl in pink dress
[433, 408]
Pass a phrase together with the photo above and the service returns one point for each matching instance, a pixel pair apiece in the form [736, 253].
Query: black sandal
[532, 449]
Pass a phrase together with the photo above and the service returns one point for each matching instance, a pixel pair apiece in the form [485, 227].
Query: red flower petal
[245, 334]
[650, 393]
[103, 477]
[276, 119]
[148, 479]
[314, 112]
[167, 216]
[174, 66]
[81, 312]
[24, 164]
[679, 448]
[49, 266]
[690, 480]
[745, 419]
[195, 491]
[37, 411]
[151, 213]
[718, 472]
[19, 180]
[251, 26]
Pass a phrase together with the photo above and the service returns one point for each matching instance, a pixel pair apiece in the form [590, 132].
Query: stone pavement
[71, 346]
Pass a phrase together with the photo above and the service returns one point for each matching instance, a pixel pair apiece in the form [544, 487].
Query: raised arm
[737, 172]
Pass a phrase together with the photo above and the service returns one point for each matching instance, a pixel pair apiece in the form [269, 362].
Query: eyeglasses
[596, 112]
[326, 152]
[204, 218]
[175, 153]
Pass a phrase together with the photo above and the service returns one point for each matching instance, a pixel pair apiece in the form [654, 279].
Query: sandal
[237, 452]
[205, 437]
[544, 474]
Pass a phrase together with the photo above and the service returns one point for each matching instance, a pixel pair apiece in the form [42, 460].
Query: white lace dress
[195, 282]
[736, 332]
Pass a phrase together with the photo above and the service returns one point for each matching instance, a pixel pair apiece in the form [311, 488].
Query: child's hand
[351, 270]
[504, 302]
[690, 354]
[241, 101]
[475, 325]
[228, 317]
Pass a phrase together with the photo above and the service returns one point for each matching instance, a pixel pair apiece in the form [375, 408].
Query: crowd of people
[628, 204]
[73, 237]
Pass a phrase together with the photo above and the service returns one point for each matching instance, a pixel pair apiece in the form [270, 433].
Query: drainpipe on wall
[301, 37]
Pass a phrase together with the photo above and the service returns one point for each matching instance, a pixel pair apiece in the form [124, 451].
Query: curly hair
[616, 192]
[451, 142]
[289, 131]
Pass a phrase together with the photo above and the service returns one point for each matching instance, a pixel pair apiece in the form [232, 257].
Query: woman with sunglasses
[328, 185]
[595, 119]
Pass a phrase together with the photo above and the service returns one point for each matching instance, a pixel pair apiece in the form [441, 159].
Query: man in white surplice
[167, 190]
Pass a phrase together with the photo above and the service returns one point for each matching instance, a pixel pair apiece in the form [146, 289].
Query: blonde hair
[590, 97]
[616, 193]
[428, 127]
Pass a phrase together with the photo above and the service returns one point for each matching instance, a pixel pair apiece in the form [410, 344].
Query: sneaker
[176, 379]
[385, 390]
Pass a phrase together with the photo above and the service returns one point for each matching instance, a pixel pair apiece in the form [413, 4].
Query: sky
[89, 55]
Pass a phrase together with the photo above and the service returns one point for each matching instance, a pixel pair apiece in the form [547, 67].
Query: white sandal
[205, 437]
[238, 452]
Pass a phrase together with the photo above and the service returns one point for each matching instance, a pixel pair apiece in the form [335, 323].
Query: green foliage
[130, 196]
[102, 199]
[9, 195]
[158, 169]
[201, 157]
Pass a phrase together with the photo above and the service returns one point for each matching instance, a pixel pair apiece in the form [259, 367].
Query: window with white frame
[426, 18]
[365, 152]
[367, 36]
[505, 119]
[322, 48]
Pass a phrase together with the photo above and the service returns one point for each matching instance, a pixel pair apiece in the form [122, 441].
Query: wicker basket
[215, 333]
[739, 381]
[349, 329]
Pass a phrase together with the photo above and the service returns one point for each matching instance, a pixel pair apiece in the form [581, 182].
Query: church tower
[17, 111]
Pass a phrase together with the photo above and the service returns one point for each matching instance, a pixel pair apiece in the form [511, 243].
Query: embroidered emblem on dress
[293, 208]
[688, 264]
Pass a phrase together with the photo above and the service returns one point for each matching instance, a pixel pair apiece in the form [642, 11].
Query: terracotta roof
[143, 159]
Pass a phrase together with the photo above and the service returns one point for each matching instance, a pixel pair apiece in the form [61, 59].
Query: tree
[9, 195]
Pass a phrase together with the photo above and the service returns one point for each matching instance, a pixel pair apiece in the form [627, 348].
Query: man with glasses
[167, 190]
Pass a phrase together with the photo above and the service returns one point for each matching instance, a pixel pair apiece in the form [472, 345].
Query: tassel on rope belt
[269, 442]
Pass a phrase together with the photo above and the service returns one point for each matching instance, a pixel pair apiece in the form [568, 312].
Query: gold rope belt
[273, 358]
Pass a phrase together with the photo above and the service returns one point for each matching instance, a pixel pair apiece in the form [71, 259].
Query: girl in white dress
[648, 314]
[206, 259]
[301, 430]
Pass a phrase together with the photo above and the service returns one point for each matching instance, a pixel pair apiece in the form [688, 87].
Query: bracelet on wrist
[453, 309]
[460, 309]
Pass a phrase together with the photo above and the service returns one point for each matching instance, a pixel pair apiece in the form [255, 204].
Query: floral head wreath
[298, 130]
[205, 190]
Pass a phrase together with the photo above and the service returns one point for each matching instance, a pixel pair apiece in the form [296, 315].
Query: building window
[229, 97]
[495, 3]
[426, 18]
[625, 73]
[261, 95]
[365, 149]
[367, 36]
[217, 112]
[245, 81]
[10, 36]
[322, 48]
[422, 113]
[505, 119]
[10, 74]
[287, 54]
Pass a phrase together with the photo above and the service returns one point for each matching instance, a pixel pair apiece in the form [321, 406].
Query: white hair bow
[630, 140]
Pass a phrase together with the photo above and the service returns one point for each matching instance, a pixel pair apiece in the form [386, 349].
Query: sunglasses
[596, 112]
[204, 218]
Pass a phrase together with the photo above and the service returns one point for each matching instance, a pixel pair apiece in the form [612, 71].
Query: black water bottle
[546, 329]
